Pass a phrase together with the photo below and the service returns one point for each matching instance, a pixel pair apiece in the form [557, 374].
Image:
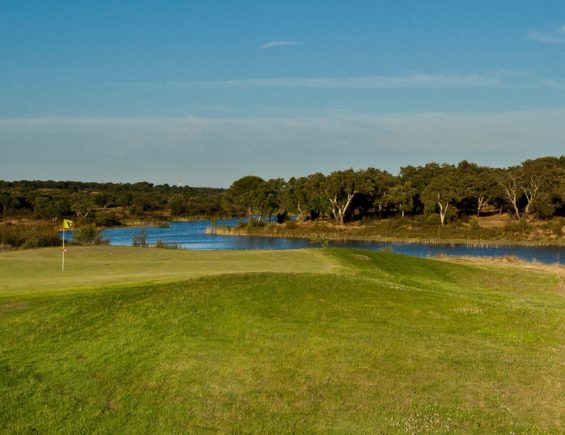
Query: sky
[204, 92]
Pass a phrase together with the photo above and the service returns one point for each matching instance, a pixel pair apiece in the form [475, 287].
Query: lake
[191, 235]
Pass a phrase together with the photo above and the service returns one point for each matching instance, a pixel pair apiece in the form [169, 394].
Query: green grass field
[38, 271]
[340, 341]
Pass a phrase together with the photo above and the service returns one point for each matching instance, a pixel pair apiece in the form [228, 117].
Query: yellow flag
[67, 224]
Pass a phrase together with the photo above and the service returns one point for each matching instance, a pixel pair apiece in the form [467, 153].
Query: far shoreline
[319, 231]
[401, 241]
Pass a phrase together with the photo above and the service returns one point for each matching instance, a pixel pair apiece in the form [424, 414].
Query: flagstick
[63, 259]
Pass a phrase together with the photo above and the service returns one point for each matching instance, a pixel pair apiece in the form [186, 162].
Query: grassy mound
[370, 342]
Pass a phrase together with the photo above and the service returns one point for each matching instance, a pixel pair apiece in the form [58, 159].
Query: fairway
[326, 341]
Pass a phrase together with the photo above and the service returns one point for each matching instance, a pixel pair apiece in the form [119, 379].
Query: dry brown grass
[495, 221]
[512, 261]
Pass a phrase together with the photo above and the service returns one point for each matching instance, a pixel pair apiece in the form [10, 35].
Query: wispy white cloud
[413, 81]
[500, 78]
[274, 44]
[555, 37]
[553, 84]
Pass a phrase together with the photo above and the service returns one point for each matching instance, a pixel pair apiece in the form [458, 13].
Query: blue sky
[205, 92]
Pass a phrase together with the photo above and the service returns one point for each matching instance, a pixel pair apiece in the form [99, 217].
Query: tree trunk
[514, 201]
[442, 210]
[333, 202]
[531, 195]
[512, 194]
[339, 210]
[340, 217]
[481, 201]
[300, 212]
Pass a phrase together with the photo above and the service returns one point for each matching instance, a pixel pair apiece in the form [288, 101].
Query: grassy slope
[389, 344]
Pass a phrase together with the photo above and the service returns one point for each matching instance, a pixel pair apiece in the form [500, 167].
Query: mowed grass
[39, 270]
[370, 343]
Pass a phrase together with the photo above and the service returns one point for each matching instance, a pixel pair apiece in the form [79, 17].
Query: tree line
[443, 192]
[105, 203]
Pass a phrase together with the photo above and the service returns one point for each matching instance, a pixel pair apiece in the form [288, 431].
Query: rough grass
[370, 343]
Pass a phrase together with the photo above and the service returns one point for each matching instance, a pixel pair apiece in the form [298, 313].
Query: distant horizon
[394, 173]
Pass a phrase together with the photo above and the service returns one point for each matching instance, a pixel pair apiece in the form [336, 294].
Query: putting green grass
[366, 342]
[31, 271]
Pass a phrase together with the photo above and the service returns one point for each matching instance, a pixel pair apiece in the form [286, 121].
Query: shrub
[89, 235]
[291, 225]
[320, 239]
[28, 236]
[107, 219]
[164, 245]
[282, 217]
[434, 219]
[254, 223]
[422, 219]
[474, 226]
[139, 240]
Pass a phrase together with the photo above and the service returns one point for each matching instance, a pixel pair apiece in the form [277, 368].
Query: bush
[28, 236]
[139, 240]
[109, 219]
[433, 219]
[254, 223]
[422, 219]
[164, 245]
[320, 239]
[282, 217]
[474, 226]
[291, 225]
[89, 235]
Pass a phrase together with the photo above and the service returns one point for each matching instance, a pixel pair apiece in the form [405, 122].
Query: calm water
[191, 235]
